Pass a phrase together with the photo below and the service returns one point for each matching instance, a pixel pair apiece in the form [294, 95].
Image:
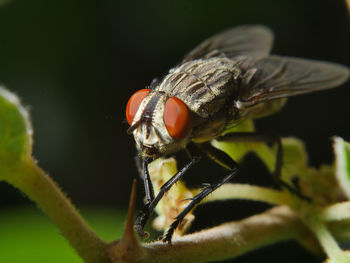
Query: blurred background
[76, 63]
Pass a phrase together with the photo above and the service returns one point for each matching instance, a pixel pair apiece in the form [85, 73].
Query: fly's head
[160, 124]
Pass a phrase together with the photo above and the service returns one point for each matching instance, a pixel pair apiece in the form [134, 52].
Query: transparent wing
[250, 40]
[276, 77]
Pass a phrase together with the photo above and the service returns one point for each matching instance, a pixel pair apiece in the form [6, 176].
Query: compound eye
[177, 118]
[134, 104]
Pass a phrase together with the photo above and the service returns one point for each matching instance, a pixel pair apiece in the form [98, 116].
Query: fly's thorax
[203, 83]
[151, 135]
[207, 87]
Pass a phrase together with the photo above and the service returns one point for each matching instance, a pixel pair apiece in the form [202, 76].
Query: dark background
[76, 63]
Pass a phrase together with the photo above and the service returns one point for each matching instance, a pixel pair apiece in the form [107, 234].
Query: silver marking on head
[150, 132]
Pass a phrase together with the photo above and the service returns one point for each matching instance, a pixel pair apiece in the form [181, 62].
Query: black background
[76, 63]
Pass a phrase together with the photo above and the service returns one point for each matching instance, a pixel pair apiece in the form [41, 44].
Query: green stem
[254, 193]
[34, 182]
[326, 239]
[336, 212]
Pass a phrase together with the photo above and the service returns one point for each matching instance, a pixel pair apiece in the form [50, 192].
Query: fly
[228, 78]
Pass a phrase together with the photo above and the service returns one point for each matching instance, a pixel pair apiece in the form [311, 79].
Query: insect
[228, 78]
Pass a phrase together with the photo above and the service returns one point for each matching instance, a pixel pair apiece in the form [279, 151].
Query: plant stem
[254, 193]
[229, 240]
[326, 239]
[336, 212]
[39, 187]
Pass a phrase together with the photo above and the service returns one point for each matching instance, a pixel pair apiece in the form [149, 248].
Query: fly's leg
[195, 200]
[221, 158]
[142, 168]
[255, 137]
[147, 182]
[152, 201]
[143, 216]
[139, 165]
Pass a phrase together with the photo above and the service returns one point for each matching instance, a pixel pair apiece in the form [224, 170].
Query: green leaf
[15, 129]
[237, 150]
[342, 164]
[294, 158]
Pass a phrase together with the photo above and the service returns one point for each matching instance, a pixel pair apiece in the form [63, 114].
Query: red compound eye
[177, 118]
[134, 103]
